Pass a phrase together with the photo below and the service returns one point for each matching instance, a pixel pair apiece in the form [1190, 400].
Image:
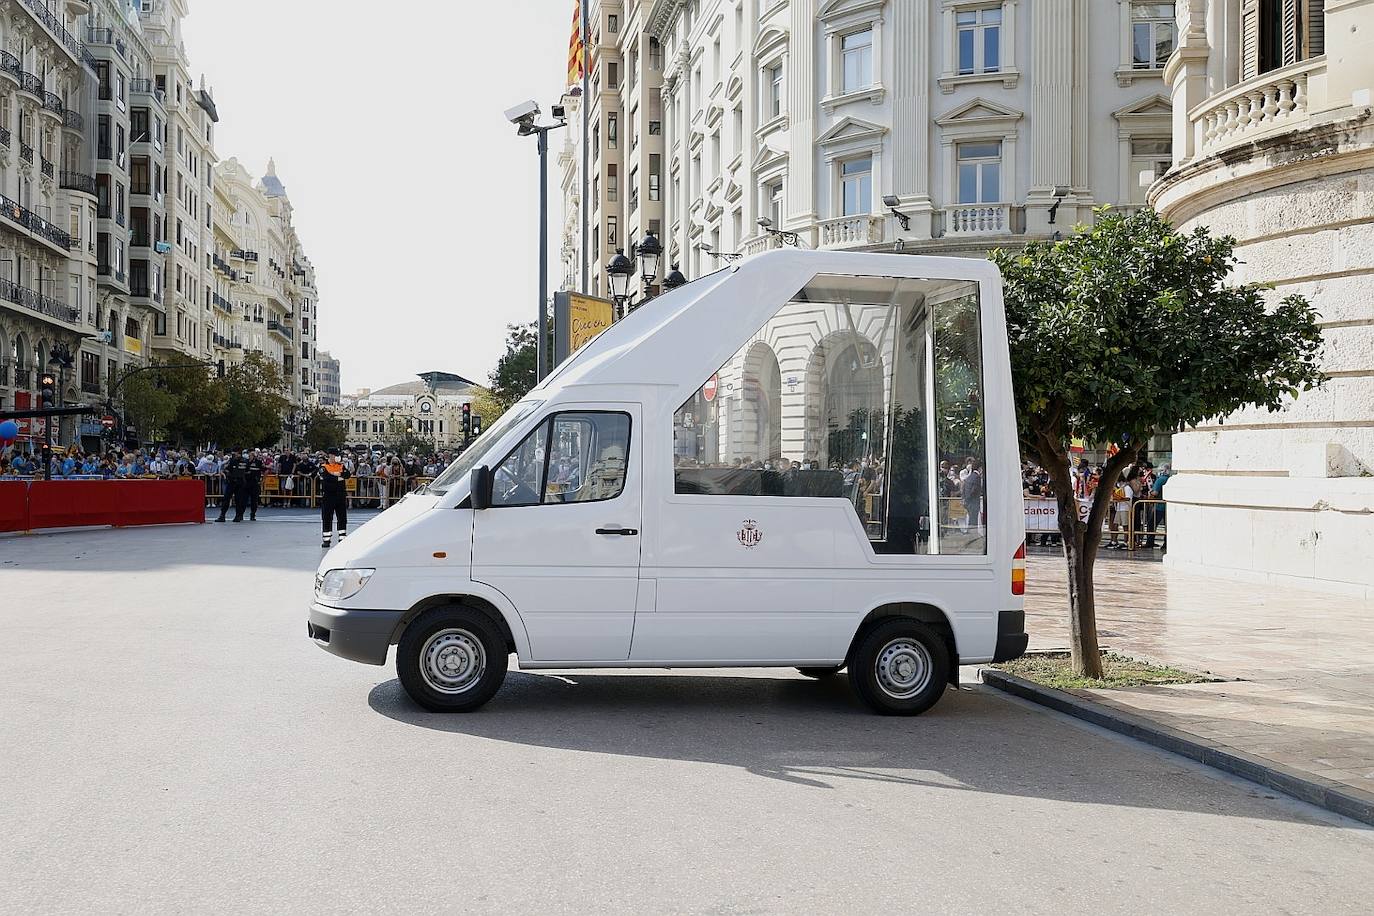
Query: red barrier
[14, 505]
[121, 503]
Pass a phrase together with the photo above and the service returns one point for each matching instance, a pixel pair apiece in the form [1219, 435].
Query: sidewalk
[1300, 665]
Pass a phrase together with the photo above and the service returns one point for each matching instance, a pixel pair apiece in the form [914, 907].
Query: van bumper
[360, 636]
[1011, 636]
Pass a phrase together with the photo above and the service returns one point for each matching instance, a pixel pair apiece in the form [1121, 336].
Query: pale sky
[413, 197]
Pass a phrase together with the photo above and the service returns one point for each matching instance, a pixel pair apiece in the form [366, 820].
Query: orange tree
[1125, 329]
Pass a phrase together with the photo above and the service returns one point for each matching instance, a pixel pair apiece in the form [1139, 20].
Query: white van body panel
[685, 591]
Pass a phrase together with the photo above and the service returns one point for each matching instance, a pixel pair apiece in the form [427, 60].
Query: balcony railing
[36, 302]
[1269, 103]
[5, 136]
[46, 168]
[983, 219]
[758, 243]
[25, 151]
[31, 83]
[77, 181]
[72, 120]
[34, 223]
[280, 328]
[53, 102]
[221, 302]
[106, 37]
[11, 65]
[243, 255]
[49, 19]
[120, 218]
[851, 231]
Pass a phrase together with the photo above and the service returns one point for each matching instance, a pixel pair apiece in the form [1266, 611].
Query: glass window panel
[966, 50]
[992, 16]
[992, 182]
[587, 457]
[516, 480]
[1152, 147]
[968, 184]
[985, 150]
[992, 49]
[855, 166]
[1164, 42]
[968, 18]
[959, 429]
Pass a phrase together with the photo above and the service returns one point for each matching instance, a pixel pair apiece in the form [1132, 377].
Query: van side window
[569, 458]
[845, 394]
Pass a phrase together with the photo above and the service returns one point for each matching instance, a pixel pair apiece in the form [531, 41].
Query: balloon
[8, 430]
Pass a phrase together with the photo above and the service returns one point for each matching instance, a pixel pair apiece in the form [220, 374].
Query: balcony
[243, 255]
[36, 302]
[77, 181]
[279, 328]
[758, 243]
[46, 168]
[36, 224]
[53, 102]
[10, 65]
[105, 37]
[31, 83]
[5, 136]
[72, 120]
[147, 87]
[107, 270]
[851, 231]
[221, 303]
[983, 219]
[1270, 103]
[40, 11]
[25, 151]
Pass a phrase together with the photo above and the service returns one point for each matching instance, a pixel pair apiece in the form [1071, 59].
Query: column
[801, 96]
[1050, 110]
[911, 141]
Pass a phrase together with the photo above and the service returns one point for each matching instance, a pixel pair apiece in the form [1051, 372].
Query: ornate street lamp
[649, 251]
[674, 279]
[618, 274]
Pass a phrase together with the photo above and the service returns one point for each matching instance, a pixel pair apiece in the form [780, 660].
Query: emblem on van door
[750, 535]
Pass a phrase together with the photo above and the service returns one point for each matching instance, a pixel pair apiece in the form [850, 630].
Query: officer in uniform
[253, 483]
[333, 498]
[235, 486]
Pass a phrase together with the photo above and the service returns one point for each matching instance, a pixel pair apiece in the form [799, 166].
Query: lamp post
[618, 273]
[525, 117]
[649, 251]
[674, 279]
[61, 357]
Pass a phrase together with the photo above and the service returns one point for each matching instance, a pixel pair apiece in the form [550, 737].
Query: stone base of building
[1314, 533]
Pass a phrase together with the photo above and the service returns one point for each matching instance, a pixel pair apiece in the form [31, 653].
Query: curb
[1315, 790]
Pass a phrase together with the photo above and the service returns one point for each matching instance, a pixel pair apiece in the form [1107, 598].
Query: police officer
[235, 471]
[333, 498]
[253, 484]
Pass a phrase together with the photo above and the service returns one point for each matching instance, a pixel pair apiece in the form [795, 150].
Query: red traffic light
[47, 381]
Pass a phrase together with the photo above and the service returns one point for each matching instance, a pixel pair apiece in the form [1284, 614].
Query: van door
[561, 538]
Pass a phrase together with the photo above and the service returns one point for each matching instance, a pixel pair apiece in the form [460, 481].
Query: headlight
[342, 583]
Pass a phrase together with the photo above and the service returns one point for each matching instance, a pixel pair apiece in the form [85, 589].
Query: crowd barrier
[31, 505]
[302, 490]
[1145, 519]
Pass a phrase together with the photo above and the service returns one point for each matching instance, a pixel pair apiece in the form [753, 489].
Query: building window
[773, 89]
[612, 182]
[612, 75]
[856, 53]
[634, 190]
[655, 167]
[772, 202]
[1153, 30]
[612, 130]
[980, 40]
[630, 127]
[1149, 157]
[856, 186]
[611, 237]
[613, 23]
[980, 172]
[655, 54]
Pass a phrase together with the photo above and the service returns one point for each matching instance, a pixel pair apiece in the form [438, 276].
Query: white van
[807, 459]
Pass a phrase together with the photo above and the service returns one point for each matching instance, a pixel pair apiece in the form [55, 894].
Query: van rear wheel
[900, 668]
[819, 673]
[451, 659]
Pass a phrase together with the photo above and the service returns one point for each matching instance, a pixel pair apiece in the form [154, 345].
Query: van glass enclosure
[866, 389]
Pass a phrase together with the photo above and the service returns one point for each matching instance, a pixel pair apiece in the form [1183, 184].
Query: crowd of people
[1137, 510]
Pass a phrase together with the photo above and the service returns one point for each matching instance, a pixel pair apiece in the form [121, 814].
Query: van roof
[679, 338]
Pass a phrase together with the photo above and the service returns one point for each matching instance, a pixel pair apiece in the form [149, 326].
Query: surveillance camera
[892, 201]
[523, 113]
[765, 222]
[1061, 191]
[558, 112]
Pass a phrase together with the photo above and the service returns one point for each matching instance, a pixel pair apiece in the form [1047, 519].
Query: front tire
[899, 668]
[451, 659]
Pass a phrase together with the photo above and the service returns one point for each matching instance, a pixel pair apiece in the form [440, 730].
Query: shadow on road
[815, 734]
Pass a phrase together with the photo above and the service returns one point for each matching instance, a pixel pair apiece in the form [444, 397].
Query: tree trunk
[1083, 648]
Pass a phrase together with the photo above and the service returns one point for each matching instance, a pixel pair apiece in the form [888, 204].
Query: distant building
[327, 378]
[431, 408]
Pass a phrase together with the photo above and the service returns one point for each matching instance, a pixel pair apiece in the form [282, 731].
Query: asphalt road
[171, 741]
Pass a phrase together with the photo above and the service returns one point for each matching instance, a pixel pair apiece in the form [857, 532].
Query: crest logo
[750, 535]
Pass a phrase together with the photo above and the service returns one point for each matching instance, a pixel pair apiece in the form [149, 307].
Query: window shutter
[1315, 23]
[1249, 40]
[1292, 36]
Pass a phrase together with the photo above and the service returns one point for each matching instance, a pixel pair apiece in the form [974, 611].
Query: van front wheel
[900, 668]
[451, 659]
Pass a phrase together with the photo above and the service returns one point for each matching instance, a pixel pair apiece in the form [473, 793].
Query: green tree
[324, 432]
[148, 404]
[254, 404]
[486, 406]
[1125, 329]
[513, 376]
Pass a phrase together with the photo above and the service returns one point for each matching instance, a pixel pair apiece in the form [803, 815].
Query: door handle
[628, 532]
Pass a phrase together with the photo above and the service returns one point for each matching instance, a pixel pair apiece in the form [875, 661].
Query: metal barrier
[302, 491]
[1143, 523]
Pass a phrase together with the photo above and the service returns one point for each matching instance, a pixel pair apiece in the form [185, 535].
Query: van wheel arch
[481, 605]
[928, 614]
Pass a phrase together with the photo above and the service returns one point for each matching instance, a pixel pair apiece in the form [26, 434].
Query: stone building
[430, 410]
[327, 378]
[1274, 144]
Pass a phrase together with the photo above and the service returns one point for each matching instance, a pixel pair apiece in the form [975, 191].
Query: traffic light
[47, 391]
[476, 425]
[467, 419]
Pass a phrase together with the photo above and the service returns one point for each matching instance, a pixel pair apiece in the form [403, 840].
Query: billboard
[578, 319]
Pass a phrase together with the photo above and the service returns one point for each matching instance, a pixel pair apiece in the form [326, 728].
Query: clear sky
[414, 198]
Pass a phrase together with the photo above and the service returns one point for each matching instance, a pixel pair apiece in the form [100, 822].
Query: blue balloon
[8, 430]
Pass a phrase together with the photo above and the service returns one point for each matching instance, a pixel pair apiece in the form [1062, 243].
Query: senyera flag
[576, 49]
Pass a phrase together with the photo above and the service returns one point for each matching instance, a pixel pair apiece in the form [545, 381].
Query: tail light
[1018, 570]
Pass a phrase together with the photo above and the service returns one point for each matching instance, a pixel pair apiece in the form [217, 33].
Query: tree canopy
[324, 432]
[189, 405]
[513, 376]
[1125, 329]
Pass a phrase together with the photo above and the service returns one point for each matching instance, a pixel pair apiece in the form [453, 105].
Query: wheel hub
[452, 660]
[903, 668]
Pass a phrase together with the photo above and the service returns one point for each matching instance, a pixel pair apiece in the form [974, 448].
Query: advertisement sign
[578, 319]
[132, 344]
[1042, 513]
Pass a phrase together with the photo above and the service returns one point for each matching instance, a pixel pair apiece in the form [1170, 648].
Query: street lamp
[674, 279]
[649, 251]
[618, 274]
[525, 117]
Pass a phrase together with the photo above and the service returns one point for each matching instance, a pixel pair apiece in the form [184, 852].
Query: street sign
[708, 391]
[107, 421]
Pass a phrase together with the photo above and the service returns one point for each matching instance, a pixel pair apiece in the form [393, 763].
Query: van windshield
[464, 463]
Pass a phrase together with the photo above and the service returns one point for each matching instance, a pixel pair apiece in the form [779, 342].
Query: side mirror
[479, 482]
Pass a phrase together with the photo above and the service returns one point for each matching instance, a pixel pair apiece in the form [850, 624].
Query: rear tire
[899, 668]
[819, 673]
[451, 659]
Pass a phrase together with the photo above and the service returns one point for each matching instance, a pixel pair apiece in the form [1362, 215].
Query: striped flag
[576, 49]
